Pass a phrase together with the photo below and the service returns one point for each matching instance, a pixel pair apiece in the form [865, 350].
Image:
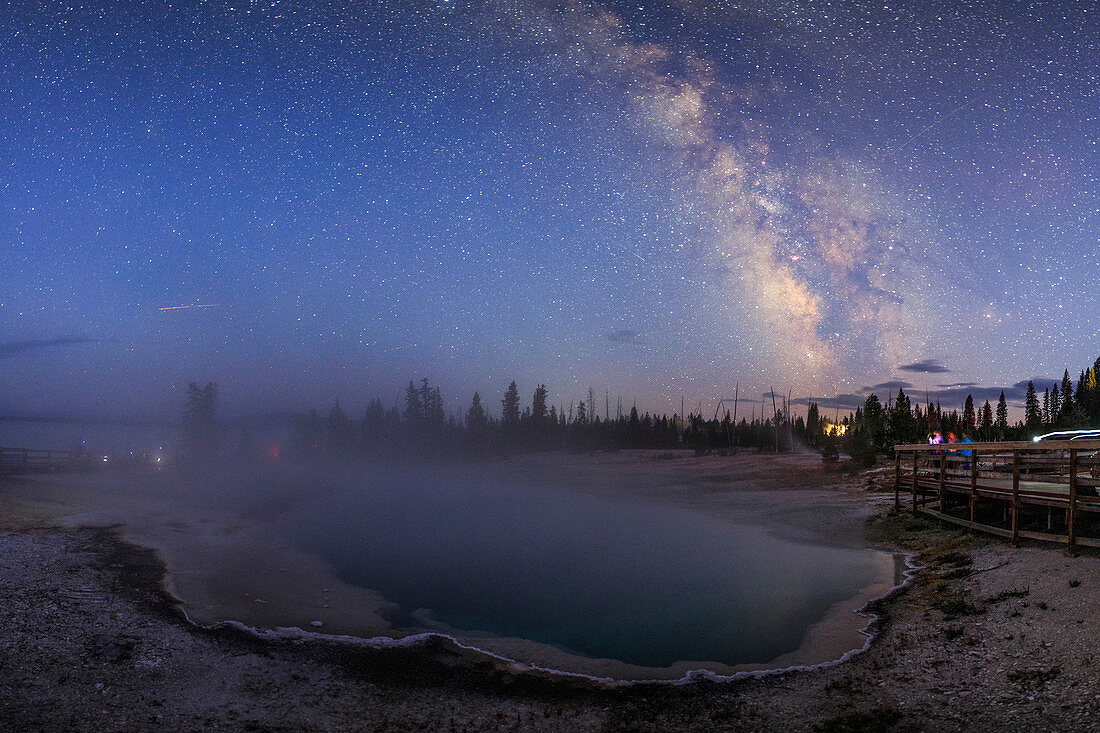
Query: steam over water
[640, 582]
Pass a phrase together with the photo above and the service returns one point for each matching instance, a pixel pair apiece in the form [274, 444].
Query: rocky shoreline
[987, 637]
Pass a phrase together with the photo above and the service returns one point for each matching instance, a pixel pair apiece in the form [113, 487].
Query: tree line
[874, 429]
[419, 424]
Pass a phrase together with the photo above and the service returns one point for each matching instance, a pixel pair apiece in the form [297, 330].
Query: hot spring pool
[636, 581]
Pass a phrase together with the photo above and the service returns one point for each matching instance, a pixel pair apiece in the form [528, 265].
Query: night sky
[305, 201]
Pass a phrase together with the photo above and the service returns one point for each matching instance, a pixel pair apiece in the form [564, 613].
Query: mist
[563, 555]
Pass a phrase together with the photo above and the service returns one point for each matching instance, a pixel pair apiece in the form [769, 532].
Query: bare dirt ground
[987, 637]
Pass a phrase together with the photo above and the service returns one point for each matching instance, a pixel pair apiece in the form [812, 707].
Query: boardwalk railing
[30, 460]
[1046, 491]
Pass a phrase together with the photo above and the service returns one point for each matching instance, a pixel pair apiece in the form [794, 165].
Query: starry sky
[305, 201]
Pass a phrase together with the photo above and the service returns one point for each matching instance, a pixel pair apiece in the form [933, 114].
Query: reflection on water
[632, 581]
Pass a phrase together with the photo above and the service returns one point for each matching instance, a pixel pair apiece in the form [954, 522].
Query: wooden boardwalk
[31, 460]
[1018, 490]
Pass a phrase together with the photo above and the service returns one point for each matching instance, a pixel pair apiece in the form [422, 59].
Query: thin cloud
[1014, 393]
[950, 396]
[894, 384]
[928, 366]
[843, 401]
[15, 348]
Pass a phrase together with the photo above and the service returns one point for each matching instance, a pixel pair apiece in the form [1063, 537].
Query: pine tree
[830, 447]
[872, 422]
[1092, 397]
[985, 424]
[969, 418]
[380, 428]
[901, 426]
[338, 429]
[1033, 419]
[538, 405]
[510, 404]
[1001, 423]
[436, 415]
[414, 409]
[813, 425]
[476, 419]
[1067, 398]
[201, 433]
[634, 428]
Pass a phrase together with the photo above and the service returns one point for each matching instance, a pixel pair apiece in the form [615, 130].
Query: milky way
[307, 201]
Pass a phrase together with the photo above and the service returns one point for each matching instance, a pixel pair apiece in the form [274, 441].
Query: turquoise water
[628, 580]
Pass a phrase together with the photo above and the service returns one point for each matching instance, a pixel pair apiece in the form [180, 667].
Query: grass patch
[909, 523]
[903, 529]
[955, 607]
[1006, 594]
[850, 468]
[874, 721]
[956, 558]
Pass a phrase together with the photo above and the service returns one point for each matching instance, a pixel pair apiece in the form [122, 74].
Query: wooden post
[1071, 529]
[943, 478]
[915, 453]
[973, 482]
[897, 481]
[1016, 498]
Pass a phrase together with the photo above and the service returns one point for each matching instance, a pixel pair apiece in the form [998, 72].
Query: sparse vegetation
[1006, 594]
[954, 557]
[958, 606]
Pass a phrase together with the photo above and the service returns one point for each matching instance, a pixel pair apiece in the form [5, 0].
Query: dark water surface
[635, 581]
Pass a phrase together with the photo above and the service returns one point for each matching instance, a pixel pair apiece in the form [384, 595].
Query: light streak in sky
[185, 307]
[941, 120]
